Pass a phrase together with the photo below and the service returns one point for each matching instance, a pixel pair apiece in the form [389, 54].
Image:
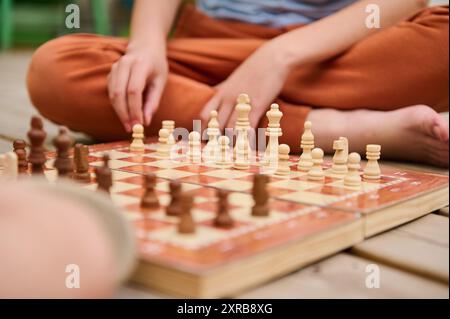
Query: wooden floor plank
[420, 247]
[344, 276]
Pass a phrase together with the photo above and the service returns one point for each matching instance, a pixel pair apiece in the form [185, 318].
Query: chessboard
[308, 220]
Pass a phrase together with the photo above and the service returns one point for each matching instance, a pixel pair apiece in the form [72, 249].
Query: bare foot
[415, 133]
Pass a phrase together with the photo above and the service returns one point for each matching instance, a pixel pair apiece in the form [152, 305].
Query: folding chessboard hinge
[235, 277]
[401, 213]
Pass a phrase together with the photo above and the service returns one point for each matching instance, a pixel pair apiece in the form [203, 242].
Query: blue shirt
[273, 13]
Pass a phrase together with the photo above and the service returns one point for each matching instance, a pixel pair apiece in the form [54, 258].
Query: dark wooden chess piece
[149, 198]
[37, 136]
[186, 224]
[103, 175]
[223, 218]
[260, 196]
[174, 208]
[81, 159]
[63, 162]
[20, 150]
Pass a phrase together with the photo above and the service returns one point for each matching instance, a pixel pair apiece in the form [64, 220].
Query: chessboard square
[245, 215]
[166, 164]
[138, 159]
[146, 224]
[203, 236]
[119, 187]
[331, 190]
[120, 176]
[113, 164]
[113, 154]
[295, 185]
[312, 198]
[227, 173]
[122, 200]
[173, 174]
[241, 200]
[200, 179]
[365, 186]
[241, 186]
[135, 179]
[198, 169]
[198, 216]
[140, 169]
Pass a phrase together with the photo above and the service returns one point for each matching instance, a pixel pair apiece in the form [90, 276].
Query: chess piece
[241, 161]
[170, 126]
[283, 167]
[273, 131]
[223, 218]
[149, 198]
[339, 168]
[186, 224]
[174, 208]
[353, 177]
[260, 196]
[137, 145]
[103, 175]
[316, 172]
[81, 160]
[163, 147]
[63, 162]
[212, 147]
[20, 150]
[224, 159]
[242, 126]
[372, 171]
[194, 151]
[305, 163]
[10, 167]
[37, 135]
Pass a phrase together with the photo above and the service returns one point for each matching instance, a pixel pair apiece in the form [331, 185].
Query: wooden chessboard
[308, 220]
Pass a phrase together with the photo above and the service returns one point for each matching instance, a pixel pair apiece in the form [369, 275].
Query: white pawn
[339, 168]
[213, 132]
[163, 147]
[10, 167]
[170, 126]
[372, 171]
[138, 139]
[307, 144]
[353, 177]
[283, 168]
[241, 160]
[224, 158]
[316, 172]
[194, 151]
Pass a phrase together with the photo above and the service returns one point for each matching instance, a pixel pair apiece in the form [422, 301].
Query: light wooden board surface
[420, 247]
[340, 276]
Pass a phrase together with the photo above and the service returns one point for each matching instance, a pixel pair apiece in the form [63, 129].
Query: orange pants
[404, 65]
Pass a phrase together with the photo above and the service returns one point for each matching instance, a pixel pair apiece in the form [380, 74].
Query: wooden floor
[413, 259]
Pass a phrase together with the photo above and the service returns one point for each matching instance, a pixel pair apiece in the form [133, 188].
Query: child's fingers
[225, 110]
[135, 90]
[122, 113]
[153, 98]
[119, 92]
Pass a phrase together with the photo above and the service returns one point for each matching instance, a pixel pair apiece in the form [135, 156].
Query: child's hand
[136, 83]
[261, 76]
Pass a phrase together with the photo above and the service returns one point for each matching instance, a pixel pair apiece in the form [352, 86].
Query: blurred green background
[32, 22]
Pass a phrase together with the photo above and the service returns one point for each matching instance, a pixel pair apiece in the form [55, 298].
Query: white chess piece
[316, 172]
[353, 177]
[241, 160]
[242, 126]
[307, 144]
[339, 168]
[283, 168]
[194, 150]
[372, 171]
[138, 139]
[163, 149]
[213, 131]
[273, 132]
[224, 158]
[10, 167]
[170, 126]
